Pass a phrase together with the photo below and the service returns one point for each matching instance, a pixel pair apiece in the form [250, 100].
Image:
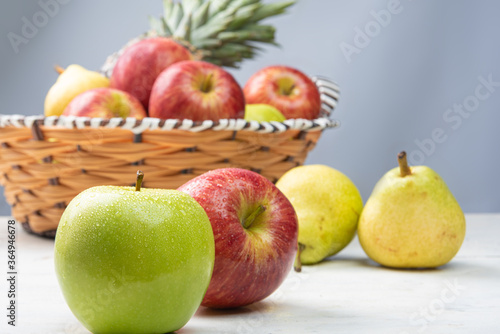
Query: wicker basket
[46, 161]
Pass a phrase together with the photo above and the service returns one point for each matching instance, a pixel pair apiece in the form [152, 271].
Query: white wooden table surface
[345, 294]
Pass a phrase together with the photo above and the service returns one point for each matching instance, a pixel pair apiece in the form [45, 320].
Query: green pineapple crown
[222, 32]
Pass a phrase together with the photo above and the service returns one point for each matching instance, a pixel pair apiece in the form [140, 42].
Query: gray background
[403, 84]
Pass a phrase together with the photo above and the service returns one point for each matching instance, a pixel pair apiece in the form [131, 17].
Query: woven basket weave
[46, 161]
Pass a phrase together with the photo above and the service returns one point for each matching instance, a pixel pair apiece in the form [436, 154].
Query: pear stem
[138, 182]
[58, 69]
[297, 266]
[403, 164]
[248, 221]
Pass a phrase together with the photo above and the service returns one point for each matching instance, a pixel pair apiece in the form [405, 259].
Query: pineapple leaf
[189, 6]
[208, 31]
[166, 28]
[223, 32]
[207, 44]
[262, 28]
[260, 35]
[157, 25]
[174, 16]
[168, 6]
[215, 24]
[243, 15]
[241, 3]
[231, 53]
[236, 48]
[200, 16]
[214, 61]
[183, 30]
[227, 13]
[217, 6]
[270, 9]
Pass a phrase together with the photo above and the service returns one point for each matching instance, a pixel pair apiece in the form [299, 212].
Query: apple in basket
[196, 90]
[106, 103]
[255, 229]
[285, 88]
[132, 260]
[137, 68]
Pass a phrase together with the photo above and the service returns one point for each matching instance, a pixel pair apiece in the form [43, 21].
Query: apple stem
[58, 69]
[297, 266]
[248, 221]
[138, 182]
[288, 90]
[403, 164]
[206, 85]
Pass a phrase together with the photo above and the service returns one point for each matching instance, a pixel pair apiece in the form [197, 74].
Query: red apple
[285, 88]
[255, 229]
[139, 65]
[196, 90]
[105, 103]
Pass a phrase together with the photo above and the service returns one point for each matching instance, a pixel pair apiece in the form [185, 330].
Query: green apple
[132, 260]
[263, 113]
[328, 206]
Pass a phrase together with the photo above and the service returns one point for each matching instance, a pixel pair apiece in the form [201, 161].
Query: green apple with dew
[132, 260]
[262, 112]
[328, 206]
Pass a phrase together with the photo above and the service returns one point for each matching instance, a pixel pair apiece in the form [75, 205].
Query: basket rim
[139, 126]
[329, 94]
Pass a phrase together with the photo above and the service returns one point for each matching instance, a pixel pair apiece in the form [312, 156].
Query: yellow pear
[411, 219]
[328, 206]
[71, 82]
[263, 113]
